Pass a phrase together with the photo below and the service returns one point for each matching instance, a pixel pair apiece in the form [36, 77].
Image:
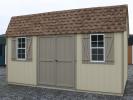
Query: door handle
[56, 60]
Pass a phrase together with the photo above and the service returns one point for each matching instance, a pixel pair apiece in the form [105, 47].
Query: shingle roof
[99, 19]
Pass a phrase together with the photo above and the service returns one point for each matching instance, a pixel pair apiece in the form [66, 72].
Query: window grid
[21, 48]
[97, 47]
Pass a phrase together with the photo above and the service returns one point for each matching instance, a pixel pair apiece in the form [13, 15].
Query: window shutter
[86, 48]
[13, 43]
[109, 48]
[29, 48]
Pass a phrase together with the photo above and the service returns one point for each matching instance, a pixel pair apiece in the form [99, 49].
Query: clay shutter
[13, 46]
[29, 48]
[109, 48]
[86, 48]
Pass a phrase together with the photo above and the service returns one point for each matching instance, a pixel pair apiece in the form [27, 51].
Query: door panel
[65, 61]
[47, 73]
[65, 49]
[47, 63]
[65, 74]
[47, 49]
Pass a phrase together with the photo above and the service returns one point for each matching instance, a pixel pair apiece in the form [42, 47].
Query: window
[21, 48]
[97, 48]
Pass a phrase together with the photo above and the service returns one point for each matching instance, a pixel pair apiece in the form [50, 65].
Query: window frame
[22, 59]
[97, 61]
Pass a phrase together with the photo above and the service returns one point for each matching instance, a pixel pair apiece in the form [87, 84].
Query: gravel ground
[12, 92]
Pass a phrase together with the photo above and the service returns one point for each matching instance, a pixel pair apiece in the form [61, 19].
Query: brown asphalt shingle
[87, 20]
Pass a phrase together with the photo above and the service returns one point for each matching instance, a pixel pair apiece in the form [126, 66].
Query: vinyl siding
[22, 72]
[101, 77]
[125, 58]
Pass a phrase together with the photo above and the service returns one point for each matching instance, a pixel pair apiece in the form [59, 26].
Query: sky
[9, 8]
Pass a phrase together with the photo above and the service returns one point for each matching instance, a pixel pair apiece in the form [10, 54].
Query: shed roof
[98, 19]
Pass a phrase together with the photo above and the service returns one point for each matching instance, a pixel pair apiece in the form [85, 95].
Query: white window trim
[95, 61]
[22, 59]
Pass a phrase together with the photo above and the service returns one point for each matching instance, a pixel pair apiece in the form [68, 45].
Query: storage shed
[2, 50]
[80, 49]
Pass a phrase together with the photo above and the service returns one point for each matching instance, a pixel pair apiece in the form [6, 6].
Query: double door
[57, 61]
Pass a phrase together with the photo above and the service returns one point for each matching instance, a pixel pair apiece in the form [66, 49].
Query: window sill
[21, 59]
[88, 62]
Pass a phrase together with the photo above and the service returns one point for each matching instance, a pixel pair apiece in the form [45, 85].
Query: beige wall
[101, 77]
[22, 72]
[91, 77]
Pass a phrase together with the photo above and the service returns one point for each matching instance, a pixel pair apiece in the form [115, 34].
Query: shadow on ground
[12, 92]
